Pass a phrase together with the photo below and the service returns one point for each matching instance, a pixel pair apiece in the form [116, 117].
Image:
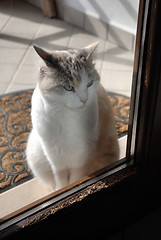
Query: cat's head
[68, 77]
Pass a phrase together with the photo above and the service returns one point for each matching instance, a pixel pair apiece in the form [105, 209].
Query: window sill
[32, 192]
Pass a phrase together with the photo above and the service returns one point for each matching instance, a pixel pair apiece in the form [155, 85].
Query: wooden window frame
[115, 198]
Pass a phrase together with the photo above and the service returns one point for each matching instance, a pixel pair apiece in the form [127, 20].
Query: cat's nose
[83, 100]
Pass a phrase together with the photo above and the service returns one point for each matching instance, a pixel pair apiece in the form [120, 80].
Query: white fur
[64, 129]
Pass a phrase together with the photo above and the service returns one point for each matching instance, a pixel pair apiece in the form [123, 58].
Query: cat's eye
[90, 84]
[68, 88]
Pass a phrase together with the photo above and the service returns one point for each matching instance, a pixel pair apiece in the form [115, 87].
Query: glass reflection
[76, 89]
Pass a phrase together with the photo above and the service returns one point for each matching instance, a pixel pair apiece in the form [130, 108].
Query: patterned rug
[15, 125]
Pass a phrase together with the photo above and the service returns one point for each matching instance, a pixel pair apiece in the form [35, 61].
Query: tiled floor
[22, 25]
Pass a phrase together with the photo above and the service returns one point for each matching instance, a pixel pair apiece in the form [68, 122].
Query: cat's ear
[47, 57]
[90, 49]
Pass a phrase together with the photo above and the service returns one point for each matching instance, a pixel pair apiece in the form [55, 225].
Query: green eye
[90, 84]
[68, 88]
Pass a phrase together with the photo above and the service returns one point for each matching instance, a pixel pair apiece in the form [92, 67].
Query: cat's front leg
[61, 179]
[75, 174]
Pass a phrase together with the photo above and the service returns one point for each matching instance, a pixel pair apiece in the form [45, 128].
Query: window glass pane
[83, 112]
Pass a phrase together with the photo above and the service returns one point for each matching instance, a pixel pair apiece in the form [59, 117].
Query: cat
[73, 132]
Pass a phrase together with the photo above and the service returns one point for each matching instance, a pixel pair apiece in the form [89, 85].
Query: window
[123, 192]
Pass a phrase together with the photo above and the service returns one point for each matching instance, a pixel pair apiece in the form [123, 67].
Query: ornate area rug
[15, 125]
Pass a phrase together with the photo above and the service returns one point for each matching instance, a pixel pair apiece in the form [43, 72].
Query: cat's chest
[63, 128]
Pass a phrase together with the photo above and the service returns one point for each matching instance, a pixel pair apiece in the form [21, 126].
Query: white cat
[73, 131]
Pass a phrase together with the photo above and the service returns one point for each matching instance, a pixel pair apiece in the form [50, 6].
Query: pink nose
[83, 100]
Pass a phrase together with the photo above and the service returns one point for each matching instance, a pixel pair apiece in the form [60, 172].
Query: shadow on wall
[112, 20]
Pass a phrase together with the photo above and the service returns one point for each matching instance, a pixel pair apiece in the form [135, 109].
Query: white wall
[115, 20]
